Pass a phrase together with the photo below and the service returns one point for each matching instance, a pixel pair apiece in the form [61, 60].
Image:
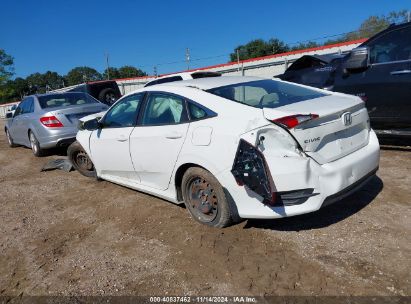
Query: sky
[58, 35]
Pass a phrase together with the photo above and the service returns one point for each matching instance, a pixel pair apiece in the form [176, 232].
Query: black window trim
[209, 113]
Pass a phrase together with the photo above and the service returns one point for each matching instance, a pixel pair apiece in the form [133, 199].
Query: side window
[124, 113]
[164, 109]
[27, 106]
[196, 112]
[18, 109]
[393, 46]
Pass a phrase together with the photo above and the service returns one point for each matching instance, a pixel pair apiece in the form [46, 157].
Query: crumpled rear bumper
[331, 182]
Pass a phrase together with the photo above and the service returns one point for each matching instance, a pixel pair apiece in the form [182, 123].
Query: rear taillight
[51, 122]
[294, 120]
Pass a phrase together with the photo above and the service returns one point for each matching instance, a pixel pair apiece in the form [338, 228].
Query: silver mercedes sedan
[49, 120]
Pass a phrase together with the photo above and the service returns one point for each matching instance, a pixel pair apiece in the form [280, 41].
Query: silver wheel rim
[110, 97]
[33, 143]
[8, 137]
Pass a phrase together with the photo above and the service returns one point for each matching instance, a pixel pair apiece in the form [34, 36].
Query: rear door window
[19, 108]
[27, 106]
[164, 109]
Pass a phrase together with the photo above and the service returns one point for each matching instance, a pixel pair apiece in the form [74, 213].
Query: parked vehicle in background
[11, 109]
[49, 120]
[231, 147]
[378, 71]
[106, 91]
[182, 76]
[313, 70]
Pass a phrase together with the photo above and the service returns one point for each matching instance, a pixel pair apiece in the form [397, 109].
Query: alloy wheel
[33, 143]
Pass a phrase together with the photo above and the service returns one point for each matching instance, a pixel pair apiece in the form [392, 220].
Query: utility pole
[188, 58]
[108, 67]
[238, 60]
[155, 71]
[409, 16]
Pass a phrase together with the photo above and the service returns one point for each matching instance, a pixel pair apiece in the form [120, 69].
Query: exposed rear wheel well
[179, 178]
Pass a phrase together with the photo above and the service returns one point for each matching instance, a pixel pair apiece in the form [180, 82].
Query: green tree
[130, 71]
[82, 74]
[19, 86]
[371, 26]
[111, 73]
[305, 45]
[6, 67]
[6, 72]
[258, 48]
[41, 83]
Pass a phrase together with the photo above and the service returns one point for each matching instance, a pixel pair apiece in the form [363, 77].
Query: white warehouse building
[266, 67]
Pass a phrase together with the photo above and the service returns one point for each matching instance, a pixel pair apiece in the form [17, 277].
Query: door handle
[174, 135]
[400, 72]
[121, 138]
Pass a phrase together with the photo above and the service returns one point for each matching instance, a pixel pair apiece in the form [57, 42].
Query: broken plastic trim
[295, 197]
[62, 164]
[250, 169]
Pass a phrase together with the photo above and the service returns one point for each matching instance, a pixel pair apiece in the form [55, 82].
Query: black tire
[108, 96]
[80, 160]
[10, 139]
[205, 199]
[35, 145]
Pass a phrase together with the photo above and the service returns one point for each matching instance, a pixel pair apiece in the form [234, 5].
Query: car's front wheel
[80, 160]
[35, 145]
[205, 199]
[10, 139]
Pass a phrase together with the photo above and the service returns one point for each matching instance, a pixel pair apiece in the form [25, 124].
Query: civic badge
[346, 118]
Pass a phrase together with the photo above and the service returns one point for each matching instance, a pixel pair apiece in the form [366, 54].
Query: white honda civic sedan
[232, 147]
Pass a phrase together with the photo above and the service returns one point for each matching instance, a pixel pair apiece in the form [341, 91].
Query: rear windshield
[265, 93]
[65, 100]
[164, 80]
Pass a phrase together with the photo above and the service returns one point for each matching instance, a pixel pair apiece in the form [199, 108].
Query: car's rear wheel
[108, 96]
[35, 145]
[80, 160]
[205, 199]
[10, 139]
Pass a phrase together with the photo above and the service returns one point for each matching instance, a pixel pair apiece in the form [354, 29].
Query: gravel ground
[64, 234]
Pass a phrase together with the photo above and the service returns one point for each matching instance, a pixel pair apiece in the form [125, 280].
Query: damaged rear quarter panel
[290, 168]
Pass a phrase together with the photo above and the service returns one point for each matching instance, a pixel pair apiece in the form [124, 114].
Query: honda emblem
[347, 118]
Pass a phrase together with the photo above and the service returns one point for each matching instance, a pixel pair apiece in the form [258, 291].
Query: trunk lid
[69, 116]
[341, 128]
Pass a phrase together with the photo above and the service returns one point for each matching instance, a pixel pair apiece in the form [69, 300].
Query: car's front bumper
[330, 182]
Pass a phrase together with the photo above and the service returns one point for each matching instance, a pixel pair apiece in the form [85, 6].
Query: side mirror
[9, 115]
[357, 59]
[91, 125]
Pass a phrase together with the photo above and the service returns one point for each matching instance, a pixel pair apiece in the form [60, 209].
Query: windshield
[65, 100]
[265, 93]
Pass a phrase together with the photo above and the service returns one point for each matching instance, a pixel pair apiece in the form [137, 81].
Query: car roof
[390, 28]
[210, 82]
